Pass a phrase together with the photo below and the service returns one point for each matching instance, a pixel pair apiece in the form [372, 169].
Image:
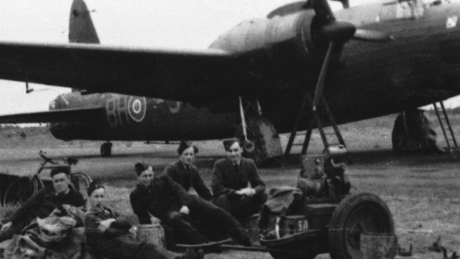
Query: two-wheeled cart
[330, 220]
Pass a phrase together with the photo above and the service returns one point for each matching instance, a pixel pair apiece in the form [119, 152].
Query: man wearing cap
[236, 184]
[163, 198]
[185, 173]
[44, 202]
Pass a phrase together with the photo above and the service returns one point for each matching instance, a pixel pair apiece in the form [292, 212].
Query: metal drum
[153, 234]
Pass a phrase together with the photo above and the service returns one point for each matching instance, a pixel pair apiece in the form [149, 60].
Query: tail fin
[81, 27]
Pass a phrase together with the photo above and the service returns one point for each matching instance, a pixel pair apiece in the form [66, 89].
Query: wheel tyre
[280, 255]
[21, 190]
[106, 149]
[358, 213]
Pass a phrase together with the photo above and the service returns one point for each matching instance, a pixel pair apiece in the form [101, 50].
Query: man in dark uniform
[163, 198]
[236, 184]
[44, 202]
[185, 173]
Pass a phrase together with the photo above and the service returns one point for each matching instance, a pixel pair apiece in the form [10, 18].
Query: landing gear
[106, 149]
[260, 140]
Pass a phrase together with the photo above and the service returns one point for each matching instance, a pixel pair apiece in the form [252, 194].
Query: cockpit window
[404, 9]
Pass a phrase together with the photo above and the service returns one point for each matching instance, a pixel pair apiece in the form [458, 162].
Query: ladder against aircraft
[447, 131]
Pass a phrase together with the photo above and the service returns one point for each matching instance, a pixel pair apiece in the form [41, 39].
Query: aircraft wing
[179, 75]
[67, 115]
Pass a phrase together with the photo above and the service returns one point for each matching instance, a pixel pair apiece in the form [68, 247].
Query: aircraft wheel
[357, 213]
[106, 149]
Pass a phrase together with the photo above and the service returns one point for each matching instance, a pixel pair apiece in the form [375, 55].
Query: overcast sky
[159, 24]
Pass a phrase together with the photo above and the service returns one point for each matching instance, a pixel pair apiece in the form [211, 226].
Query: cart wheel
[358, 213]
[80, 182]
[20, 190]
[281, 255]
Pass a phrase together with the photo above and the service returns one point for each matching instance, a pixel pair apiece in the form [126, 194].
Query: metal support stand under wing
[261, 141]
[318, 101]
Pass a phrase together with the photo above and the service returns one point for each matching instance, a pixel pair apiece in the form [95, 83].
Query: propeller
[328, 29]
[342, 31]
[336, 33]
[331, 29]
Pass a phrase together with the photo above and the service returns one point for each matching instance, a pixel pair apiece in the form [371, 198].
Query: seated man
[43, 203]
[236, 184]
[163, 198]
[185, 173]
[108, 235]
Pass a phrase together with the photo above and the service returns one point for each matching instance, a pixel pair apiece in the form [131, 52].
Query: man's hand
[105, 224]
[250, 192]
[133, 230]
[55, 212]
[184, 210]
[240, 192]
[6, 226]
[246, 192]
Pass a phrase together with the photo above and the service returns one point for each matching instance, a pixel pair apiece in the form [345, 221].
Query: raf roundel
[137, 108]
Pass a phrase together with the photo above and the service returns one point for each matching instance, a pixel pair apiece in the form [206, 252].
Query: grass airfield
[420, 190]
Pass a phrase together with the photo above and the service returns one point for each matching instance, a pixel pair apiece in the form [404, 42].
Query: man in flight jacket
[185, 173]
[43, 203]
[236, 184]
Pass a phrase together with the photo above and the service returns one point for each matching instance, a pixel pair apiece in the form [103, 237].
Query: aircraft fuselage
[139, 118]
[420, 66]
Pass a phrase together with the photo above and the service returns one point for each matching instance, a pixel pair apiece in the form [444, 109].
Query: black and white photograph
[221, 129]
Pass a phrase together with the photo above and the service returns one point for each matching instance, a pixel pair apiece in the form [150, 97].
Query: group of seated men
[238, 192]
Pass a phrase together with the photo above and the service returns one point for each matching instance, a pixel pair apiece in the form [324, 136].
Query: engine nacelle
[282, 44]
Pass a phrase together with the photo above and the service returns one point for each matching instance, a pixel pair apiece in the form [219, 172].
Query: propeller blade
[372, 36]
[339, 31]
[287, 9]
[345, 3]
[322, 10]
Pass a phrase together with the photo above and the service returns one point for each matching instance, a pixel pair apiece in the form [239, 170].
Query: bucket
[379, 245]
[153, 234]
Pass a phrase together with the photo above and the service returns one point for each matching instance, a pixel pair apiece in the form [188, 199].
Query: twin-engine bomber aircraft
[366, 61]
